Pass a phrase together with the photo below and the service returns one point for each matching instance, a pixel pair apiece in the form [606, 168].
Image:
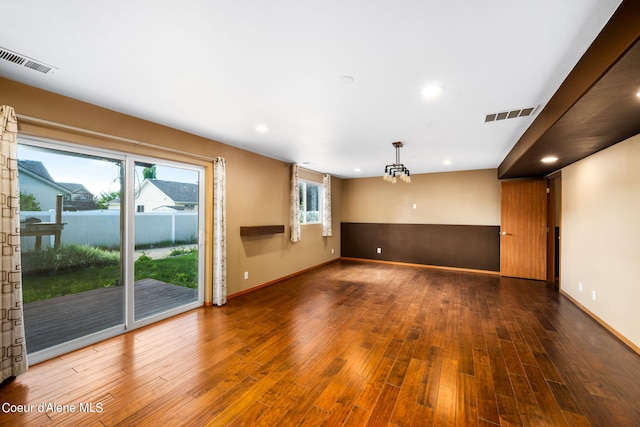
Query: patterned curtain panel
[295, 205]
[326, 205]
[14, 348]
[219, 232]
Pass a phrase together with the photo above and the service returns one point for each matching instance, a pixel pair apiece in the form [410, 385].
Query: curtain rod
[38, 121]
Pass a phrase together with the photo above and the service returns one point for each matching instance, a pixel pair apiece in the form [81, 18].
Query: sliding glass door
[70, 245]
[109, 242]
[166, 273]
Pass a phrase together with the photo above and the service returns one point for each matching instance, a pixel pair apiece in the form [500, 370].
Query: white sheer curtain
[219, 232]
[295, 205]
[326, 205]
[14, 348]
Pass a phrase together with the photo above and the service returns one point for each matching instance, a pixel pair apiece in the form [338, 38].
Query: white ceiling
[220, 68]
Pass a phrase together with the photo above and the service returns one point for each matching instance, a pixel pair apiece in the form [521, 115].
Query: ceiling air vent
[11, 57]
[510, 114]
[25, 61]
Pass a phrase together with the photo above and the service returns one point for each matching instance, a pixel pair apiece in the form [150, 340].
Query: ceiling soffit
[594, 108]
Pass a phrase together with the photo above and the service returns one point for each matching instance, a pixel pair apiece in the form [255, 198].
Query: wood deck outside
[57, 320]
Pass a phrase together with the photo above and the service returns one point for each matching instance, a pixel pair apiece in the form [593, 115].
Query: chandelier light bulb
[396, 169]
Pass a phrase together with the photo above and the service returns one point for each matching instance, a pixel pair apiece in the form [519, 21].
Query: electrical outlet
[593, 295]
[246, 275]
[379, 250]
[580, 286]
[331, 250]
[415, 206]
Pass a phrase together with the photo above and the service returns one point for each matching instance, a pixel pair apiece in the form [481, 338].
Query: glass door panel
[166, 234]
[70, 226]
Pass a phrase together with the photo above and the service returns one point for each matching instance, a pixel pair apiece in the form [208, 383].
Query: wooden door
[523, 229]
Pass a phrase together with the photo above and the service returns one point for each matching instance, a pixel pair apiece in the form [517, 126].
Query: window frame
[304, 183]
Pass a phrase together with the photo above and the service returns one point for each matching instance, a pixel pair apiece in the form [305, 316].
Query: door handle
[504, 233]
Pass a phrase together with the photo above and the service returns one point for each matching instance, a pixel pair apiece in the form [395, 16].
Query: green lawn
[180, 270]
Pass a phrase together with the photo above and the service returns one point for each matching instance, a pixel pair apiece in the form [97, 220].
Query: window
[310, 202]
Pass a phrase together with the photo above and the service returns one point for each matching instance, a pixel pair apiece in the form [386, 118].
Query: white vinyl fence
[101, 228]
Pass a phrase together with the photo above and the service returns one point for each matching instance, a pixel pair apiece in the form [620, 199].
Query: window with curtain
[310, 202]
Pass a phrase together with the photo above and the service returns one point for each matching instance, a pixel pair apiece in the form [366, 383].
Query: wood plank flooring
[351, 344]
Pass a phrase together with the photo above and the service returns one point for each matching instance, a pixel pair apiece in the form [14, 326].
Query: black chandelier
[396, 169]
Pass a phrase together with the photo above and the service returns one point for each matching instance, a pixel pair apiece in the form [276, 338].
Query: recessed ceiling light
[346, 80]
[448, 162]
[638, 94]
[432, 91]
[356, 170]
[262, 128]
[549, 159]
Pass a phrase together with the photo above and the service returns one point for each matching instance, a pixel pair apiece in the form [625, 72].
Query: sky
[97, 176]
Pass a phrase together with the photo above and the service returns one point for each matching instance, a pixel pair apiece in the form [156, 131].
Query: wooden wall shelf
[261, 230]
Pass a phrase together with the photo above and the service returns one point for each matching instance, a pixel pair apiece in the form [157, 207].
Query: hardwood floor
[351, 344]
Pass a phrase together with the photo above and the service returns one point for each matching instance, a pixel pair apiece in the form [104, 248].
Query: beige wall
[600, 240]
[258, 194]
[257, 187]
[459, 198]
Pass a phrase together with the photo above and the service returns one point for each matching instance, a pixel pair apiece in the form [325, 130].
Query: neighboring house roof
[37, 170]
[75, 188]
[179, 192]
[35, 167]
[170, 208]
